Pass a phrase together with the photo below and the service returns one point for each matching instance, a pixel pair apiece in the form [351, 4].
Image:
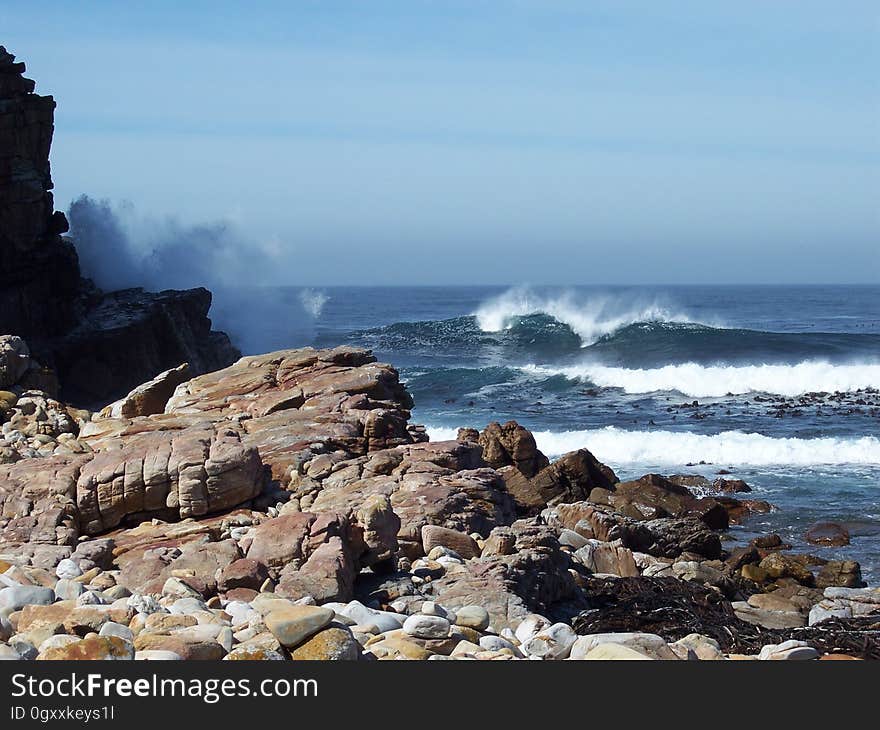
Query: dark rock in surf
[827, 533]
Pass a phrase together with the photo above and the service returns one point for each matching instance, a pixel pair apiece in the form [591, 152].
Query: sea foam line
[708, 381]
[617, 446]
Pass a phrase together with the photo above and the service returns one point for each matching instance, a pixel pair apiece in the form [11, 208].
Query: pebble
[291, 624]
[68, 569]
[67, 589]
[157, 655]
[15, 598]
[111, 628]
[144, 604]
[90, 598]
[529, 626]
[473, 617]
[8, 653]
[430, 608]
[553, 642]
[383, 620]
[650, 645]
[497, 643]
[187, 605]
[616, 652]
[426, 627]
[791, 649]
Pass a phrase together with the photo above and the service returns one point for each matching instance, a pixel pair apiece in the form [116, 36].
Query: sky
[478, 141]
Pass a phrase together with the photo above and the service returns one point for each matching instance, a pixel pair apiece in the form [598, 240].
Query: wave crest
[713, 381]
[590, 319]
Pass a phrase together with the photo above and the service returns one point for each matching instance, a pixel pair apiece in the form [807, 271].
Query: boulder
[569, 479]
[512, 445]
[291, 625]
[653, 496]
[243, 573]
[149, 398]
[434, 536]
[650, 646]
[330, 644]
[103, 648]
[843, 573]
[780, 565]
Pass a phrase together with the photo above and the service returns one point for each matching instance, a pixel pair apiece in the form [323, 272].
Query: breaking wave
[616, 446]
[708, 381]
[589, 319]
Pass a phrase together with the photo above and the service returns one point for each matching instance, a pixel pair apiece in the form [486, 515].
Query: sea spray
[313, 301]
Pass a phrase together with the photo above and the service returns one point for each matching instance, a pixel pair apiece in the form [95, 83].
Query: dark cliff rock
[131, 335]
[101, 345]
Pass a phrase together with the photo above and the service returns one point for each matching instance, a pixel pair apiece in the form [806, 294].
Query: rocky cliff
[100, 344]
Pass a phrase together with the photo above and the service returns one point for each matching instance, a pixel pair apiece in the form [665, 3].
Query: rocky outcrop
[653, 496]
[222, 439]
[511, 445]
[101, 345]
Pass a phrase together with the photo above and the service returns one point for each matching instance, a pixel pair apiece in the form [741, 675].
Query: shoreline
[285, 507]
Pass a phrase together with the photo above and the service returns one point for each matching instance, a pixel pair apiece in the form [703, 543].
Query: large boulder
[512, 445]
[571, 478]
[533, 576]
[149, 398]
[653, 496]
[827, 533]
[181, 474]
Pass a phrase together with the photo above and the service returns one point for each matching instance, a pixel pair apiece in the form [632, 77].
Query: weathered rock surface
[653, 496]
[571, 478]
[665, 538]
[512, 445]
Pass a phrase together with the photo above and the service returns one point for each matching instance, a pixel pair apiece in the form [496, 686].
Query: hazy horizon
[476, 143]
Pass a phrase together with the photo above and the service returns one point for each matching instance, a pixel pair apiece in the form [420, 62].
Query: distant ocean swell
[617, 446]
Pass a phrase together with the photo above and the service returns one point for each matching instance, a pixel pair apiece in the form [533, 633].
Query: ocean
[777, 385]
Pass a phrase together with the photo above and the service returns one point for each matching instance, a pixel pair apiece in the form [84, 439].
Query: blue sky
[542, 141]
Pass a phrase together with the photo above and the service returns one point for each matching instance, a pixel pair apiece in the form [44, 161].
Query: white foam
[708, 381]
[590, 319]
[615, 446]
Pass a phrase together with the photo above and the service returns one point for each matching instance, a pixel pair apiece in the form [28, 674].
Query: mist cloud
[120, 248]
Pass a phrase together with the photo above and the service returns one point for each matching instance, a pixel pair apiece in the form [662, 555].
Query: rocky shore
[286, 508]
